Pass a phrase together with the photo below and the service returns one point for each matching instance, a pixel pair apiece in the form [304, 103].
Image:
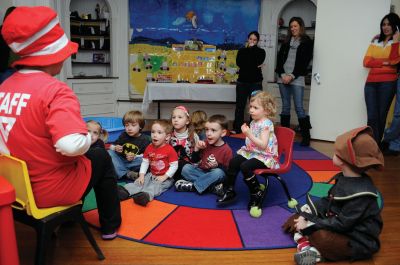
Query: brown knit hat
[358, 148]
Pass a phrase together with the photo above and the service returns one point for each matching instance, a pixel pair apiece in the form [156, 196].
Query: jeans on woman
[378, 97]
[287, 91]
[392, 134]
[243, 93]
[202, 179]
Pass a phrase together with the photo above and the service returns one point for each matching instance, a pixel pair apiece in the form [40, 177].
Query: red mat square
[312, 165]
[197, 228]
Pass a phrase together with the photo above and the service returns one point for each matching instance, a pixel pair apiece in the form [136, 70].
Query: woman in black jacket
[249, 60]
[294, 57]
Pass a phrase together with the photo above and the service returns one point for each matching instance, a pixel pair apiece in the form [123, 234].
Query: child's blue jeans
[122, 166]
[202, 179]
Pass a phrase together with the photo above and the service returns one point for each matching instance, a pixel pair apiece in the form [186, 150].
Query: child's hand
[130, 156]
[200, 145]
[396, 36]
[245, 128]
[141, 179]
[212, 162]
[162, 178]
[300, 223]
[118, 148]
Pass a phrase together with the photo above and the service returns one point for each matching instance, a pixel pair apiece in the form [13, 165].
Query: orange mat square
[137, 221]
[322, 176]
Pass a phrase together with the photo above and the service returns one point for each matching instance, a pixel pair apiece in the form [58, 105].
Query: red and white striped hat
[35, 34]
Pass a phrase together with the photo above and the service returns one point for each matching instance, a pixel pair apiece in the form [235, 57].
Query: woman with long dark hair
[294, 56]
[249, 60]
[380, 86]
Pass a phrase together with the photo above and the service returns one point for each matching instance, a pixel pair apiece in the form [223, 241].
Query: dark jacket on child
[351, 209]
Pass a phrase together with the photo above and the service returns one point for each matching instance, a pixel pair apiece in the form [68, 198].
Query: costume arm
[73, 144]
[344, 221]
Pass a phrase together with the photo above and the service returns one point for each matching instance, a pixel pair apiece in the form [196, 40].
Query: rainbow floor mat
[192, 221]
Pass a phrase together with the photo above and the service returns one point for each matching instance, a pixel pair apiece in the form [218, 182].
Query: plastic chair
[285, 137]
[44, 220]
[8, 243]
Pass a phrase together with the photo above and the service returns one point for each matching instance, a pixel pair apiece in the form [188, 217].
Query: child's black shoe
[228, 197]
[141, 198]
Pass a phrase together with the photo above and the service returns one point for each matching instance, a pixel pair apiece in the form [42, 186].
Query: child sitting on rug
[163, 162]
[214, 155]
[199, 119]
[183, 138]
[260, 151]
[344, 225]
[127, 150]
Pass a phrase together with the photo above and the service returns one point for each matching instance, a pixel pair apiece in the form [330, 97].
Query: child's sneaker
[132, 175]
[183, 185]
[141, 198]
[109, 236]
[217, 189]
[308, 256]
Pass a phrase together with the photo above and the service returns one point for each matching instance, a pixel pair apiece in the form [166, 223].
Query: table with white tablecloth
[187, 92]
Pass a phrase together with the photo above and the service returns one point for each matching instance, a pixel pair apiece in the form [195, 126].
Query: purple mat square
[266, 231]
[308, 155]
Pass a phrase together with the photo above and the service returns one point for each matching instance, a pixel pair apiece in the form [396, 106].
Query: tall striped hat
[35, 34]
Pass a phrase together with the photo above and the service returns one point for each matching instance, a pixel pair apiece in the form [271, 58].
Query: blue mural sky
[212, 21]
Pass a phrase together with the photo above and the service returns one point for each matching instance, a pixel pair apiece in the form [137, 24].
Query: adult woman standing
[380, 86]
[293, 59]
[250, 60]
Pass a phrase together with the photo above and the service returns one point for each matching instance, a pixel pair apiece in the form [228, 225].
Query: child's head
[198, 120]
[134, 122]
[358, 150]
[216, 128]
[96, 131]
[160, 132]
[180, 118]
[35, 35]
[262, 105]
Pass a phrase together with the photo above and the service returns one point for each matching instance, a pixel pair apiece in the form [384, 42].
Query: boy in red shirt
[214, 156]
[163, 162]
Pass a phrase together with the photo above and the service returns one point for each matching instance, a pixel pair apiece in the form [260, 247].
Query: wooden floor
[71, 247]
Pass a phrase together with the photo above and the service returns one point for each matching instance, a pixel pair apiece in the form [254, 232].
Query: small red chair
[285, 137]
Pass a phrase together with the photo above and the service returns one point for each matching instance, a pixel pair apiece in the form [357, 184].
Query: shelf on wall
[106, 63]
[93, 50]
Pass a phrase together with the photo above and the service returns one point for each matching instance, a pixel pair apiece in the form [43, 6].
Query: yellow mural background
[150, 63]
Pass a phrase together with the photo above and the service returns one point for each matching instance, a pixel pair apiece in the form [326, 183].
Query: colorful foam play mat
[192, 221]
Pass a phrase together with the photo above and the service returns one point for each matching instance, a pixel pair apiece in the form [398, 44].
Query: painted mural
[187, 41]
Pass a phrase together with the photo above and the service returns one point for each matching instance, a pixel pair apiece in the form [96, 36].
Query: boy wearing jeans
[127, 150]
[214, 156]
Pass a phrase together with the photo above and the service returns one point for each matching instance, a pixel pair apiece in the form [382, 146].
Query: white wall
[337, 103]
